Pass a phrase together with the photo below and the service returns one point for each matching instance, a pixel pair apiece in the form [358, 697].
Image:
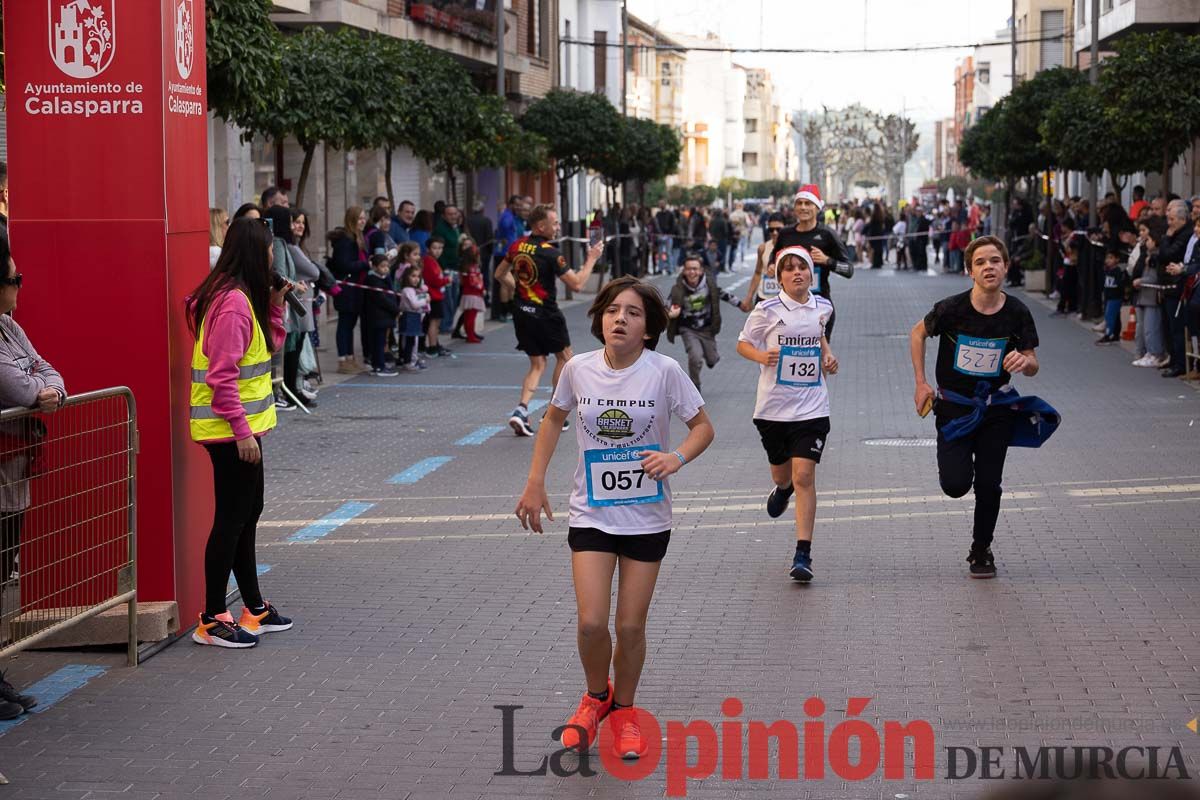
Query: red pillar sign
[108, 182]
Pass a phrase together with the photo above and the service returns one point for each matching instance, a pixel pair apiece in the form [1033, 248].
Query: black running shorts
[649, 547]
[788, 440]
[436, 309]
[542, 335]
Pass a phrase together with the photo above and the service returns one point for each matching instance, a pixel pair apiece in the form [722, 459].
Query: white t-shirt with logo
[618, 414]
[794, 390]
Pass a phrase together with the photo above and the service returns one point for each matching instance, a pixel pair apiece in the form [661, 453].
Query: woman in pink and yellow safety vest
[232, 407]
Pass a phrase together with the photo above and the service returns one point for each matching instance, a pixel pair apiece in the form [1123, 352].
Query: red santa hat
[811, 193]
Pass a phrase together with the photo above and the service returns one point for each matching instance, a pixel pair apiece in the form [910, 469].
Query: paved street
[421, 605]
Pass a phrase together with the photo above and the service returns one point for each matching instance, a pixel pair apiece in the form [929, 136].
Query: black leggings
[408, 349]
[239, 502]
[10, 541]
[291, 368]
[977, 458]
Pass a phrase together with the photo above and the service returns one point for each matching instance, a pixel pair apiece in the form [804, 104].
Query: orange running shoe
[627, 741]
[588, 716]
[268, 620]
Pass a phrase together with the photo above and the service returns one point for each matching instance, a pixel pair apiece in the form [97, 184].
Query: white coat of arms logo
[83, 35]
[184, 40]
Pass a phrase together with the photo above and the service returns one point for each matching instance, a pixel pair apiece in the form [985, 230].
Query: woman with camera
[232, 407]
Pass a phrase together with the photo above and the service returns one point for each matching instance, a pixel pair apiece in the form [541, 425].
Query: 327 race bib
[980, 358]
[615, 477]
[799, 366]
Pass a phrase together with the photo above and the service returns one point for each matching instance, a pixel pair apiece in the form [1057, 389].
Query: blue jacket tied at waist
[1034, 420]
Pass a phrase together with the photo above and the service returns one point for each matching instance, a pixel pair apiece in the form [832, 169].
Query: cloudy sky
[921, 83]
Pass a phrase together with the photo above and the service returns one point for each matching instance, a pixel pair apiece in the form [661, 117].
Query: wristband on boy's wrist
[679, 455]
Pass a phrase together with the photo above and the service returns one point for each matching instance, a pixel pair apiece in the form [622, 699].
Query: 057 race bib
[980, 358]
[799, 366]
[615, 477]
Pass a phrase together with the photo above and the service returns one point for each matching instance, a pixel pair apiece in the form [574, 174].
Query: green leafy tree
[1086, 136]
[1151, 89]
[1006, 142]
[677, 195]
[1021, 148]
[734, 187]
[420, 92]
[526, 151]
[476, 141]
[701, 195]
[644, 151]
[244, 55]
[580, 130]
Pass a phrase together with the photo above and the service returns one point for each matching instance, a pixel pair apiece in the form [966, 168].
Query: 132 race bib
[615, 477]
[980, 358]
[799, 366]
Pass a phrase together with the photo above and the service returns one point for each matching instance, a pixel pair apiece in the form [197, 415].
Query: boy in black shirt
[984, 336]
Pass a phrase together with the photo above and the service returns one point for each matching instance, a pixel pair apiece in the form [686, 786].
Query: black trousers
[1176, 320]
[239, 503]
[10, 541]
[976, 459]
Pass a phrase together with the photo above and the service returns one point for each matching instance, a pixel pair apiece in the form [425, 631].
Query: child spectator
[1115, 281]
[472, 290]
[1150, 338]
[959, 239]
[900, 231]
[414, 303]
[379, 313]
[437, 283]
[695, 314]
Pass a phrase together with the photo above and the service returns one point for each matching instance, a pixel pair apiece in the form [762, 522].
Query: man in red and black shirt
[531, 269]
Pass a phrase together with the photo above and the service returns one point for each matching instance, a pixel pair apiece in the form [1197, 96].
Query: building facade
[759, 114]
[711, 110]
[1043, 31]
[590, 61]
[1119, 18]
[337, 180]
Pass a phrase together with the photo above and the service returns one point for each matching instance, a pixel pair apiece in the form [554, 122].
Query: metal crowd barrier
[67, 517]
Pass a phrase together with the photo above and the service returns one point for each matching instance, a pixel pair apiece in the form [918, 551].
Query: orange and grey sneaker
[587, 718]
[627, 734]
[222, 631]
[264, 620]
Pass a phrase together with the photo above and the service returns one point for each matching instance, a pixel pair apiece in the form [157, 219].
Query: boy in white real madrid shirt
[623, 397]
[786, 337]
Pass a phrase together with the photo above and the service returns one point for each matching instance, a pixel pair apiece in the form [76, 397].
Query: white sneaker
[1144, 361]
[1099, 327]
[1162, 361]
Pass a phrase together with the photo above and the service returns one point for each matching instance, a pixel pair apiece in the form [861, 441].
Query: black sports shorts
[649, 547]
[787, 440]
[542, 335]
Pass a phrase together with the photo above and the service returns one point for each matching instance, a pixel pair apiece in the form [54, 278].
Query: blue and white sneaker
[777, 501]
[519, 422]
[802, 571]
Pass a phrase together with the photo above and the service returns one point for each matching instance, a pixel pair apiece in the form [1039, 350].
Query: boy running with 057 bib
[984, 337]
[786, 337]
[623, 397]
